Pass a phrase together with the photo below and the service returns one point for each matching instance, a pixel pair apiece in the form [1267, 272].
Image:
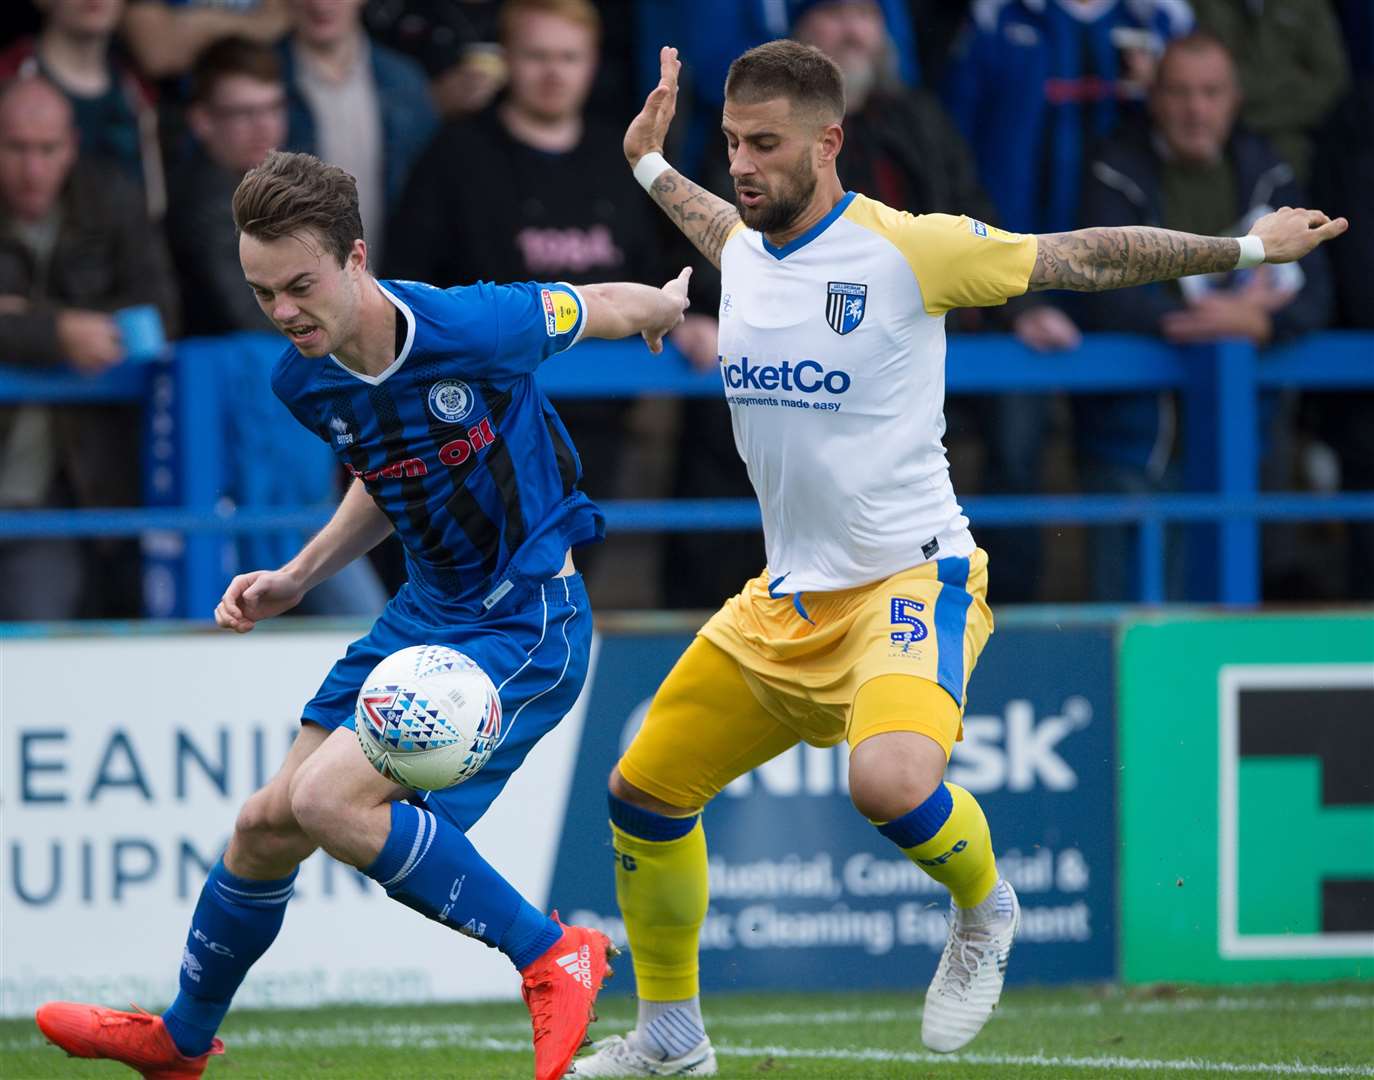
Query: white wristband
[649, 168]
[1251, 252]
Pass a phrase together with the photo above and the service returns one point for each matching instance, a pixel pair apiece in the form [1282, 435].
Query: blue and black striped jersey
[455, 441]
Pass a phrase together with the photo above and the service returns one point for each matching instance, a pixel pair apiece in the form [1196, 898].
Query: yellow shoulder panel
[958, 261]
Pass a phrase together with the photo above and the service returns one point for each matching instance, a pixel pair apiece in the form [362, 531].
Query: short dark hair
[785, 68]
[232, 56]
[288, 193]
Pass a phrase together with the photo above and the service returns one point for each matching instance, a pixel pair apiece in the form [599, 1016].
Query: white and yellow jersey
[833, 357]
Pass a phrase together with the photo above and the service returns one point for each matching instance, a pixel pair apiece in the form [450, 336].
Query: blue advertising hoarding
[798, 877]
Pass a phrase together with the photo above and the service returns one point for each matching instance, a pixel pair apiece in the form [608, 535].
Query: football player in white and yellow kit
[872, 610]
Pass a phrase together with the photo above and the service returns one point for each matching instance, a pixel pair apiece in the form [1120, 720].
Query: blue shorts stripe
[951, 618]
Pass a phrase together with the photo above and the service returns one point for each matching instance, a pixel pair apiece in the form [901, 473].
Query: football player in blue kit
[428, 398]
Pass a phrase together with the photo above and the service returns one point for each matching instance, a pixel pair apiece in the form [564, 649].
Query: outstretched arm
[618, 309]
[1093, 260]
[705, 219]
[358, 526]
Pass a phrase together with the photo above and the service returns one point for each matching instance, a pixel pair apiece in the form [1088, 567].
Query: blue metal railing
[186, 475]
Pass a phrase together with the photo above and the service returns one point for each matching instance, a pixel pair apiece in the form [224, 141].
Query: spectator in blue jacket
[1036, 82]
[356, 104]
[1194, 170]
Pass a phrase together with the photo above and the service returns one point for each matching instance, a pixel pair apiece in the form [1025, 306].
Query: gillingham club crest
[844, 305]
[451, 400]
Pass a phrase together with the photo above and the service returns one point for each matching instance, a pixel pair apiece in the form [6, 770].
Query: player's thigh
[704, 728]
[907, 704]
[902, 730]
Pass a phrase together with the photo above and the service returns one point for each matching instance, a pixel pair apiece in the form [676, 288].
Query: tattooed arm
[1092, 260]
[704, 219]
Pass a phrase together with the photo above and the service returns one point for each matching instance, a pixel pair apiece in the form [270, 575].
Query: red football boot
[138, 1039]
[560, 989]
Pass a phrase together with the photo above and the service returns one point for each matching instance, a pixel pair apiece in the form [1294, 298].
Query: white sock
[668, 1029]
[996, 906]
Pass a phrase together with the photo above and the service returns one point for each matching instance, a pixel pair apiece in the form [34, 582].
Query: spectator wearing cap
[113, 110]
[75, 247]
[1191, 169]
[355, 104]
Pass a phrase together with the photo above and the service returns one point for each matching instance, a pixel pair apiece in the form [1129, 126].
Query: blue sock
[431, 866]
[234, 922]
[917, 826]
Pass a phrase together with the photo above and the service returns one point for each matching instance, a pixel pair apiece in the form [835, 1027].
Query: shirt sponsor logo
[451, 400]
[977, 227]
[453, 453]
[565, 312]
[805, 376]
[845, 303]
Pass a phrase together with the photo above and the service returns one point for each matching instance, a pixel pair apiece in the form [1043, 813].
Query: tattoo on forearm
[1091, 260]
[705, 219]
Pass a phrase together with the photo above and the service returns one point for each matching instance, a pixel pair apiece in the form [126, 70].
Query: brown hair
[581, 12]
[289, 193]
[801, 73]
[232, 56]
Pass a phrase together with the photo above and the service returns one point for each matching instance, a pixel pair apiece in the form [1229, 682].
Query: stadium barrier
[115, 809]
[1160, 812]
[228, 471]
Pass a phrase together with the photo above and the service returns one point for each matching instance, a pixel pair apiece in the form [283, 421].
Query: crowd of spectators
[485, 138]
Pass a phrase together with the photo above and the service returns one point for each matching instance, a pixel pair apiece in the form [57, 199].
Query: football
[428, 717]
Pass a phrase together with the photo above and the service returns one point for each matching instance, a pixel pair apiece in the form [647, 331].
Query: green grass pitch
[1087, 1033]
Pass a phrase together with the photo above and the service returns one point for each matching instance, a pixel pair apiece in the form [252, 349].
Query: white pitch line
[1295, 1068]
[465, 1036]
[383, 1033]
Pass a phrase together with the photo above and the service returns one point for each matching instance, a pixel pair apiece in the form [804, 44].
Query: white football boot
[968, 982]
[616, 1057]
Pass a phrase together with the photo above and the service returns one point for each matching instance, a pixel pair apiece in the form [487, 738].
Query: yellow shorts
[761, 677]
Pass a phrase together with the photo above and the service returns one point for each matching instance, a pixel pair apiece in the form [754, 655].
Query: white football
[428, 717]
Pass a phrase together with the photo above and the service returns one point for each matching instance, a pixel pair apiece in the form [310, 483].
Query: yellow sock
[959, 853]
[662, 889]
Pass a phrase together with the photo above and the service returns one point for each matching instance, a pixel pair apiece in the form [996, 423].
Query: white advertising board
[123, 761]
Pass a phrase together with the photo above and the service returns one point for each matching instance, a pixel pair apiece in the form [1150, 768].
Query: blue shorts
[535, 650]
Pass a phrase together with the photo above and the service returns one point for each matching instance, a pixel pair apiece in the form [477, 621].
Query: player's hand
[1289, 233]
[89, 340]
[648, 130]
[671, 312]
[1045, 328]
[1216, 317]
[255, 596]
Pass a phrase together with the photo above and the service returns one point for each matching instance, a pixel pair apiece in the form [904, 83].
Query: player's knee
[884, 787]
[316, 803]
[622, 789]
[266, 833]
